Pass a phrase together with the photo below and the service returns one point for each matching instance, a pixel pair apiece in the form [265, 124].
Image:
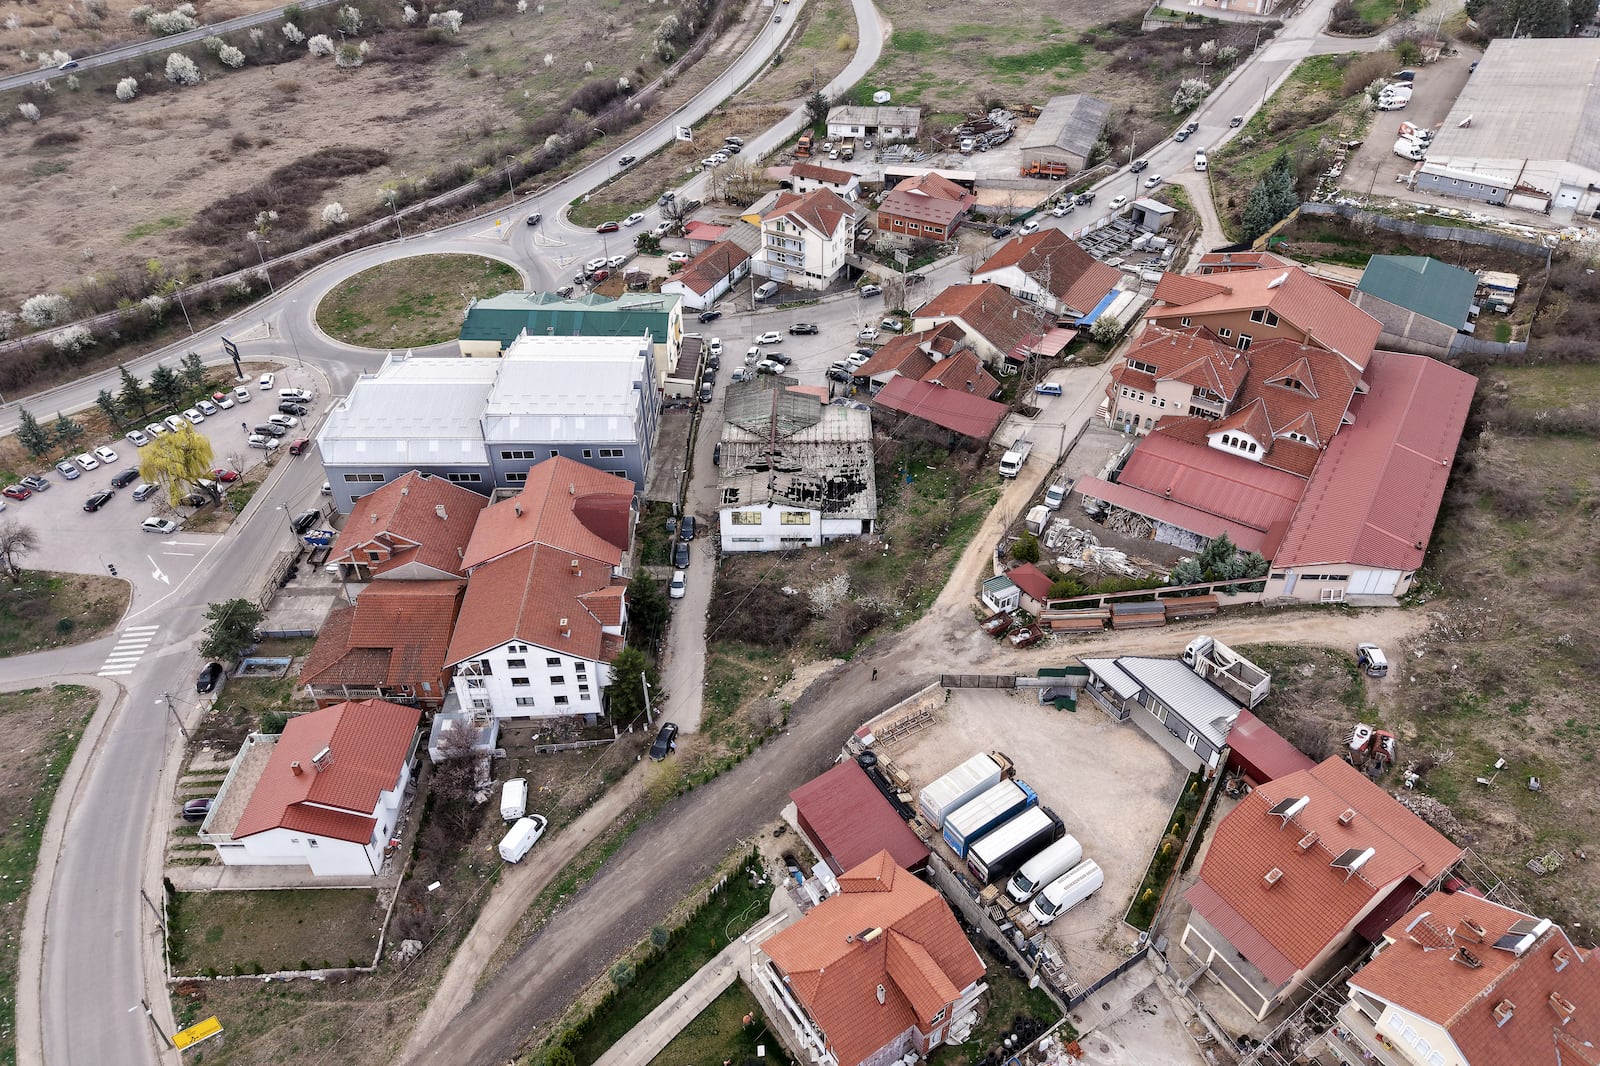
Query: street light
[511, 161]
[261, 243]
[178, 295]
[394, 205]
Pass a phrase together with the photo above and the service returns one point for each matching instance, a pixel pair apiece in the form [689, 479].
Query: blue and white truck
[968, 823]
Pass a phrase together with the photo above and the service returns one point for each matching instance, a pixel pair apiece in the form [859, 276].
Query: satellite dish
[881, 96]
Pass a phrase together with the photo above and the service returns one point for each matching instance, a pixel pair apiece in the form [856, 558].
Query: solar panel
[1284, 806]
[1508, 942]
[1524, 926]
[1348, 857]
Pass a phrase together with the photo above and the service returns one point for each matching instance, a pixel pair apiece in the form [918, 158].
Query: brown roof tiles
[536, 594]
[413, 520]
[565, 504]
[395, 635]
[1054, 260]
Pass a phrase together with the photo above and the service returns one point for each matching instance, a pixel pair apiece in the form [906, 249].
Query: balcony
[1355, 1041]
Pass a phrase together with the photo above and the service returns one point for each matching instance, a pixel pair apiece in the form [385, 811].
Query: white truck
[967, 781]
[1406, 148]
[1200, 160]
[1011, 462]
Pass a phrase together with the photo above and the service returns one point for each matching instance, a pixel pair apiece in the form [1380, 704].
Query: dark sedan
[666, 741]
[210, 674]
[98, 500]
[710, 316]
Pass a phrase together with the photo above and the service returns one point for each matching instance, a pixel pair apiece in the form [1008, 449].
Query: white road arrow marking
[157, 574]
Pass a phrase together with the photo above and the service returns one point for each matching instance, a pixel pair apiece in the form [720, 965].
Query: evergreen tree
[166, 386]
[68, 432]
[194, 371]
[108, 403]
[232, 629]
[133, 394]
[31, 434]
[648, 610]
[625, 695]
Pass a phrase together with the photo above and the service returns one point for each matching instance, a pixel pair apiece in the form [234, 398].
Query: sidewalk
[658, 1028]
[519, 886]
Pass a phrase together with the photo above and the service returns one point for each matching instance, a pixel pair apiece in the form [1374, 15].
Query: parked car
[684, 257]
[633, 219]
[174, 423]
[16, 492]
[265, 443]
[145, 491]
[193, 499]
[1191, 127]
[1085, 198]
[1001, 231]
[803, 329]
[241, 394]
[124, 479]
[154, 430]
[161, 526]
[767, 366]
[597, 263]
[892, 325]
[705, 392]
[303, 521]
[1152, 181]
[270, 429]
[680, 555]
[35, 483]
[195, 810]
[871, 290]
[1181, 135]
[299, 445]
[779, 358]
[105, 455]
[1030, 226]
[1235, 122]
[716, 454]
[1138, 166]
[665, 742]
[666, 198]
[207, 408]
[289, 408]
[1117, 203]
[734, 140]
[535, 218]
[867, 334]
[87, 461]
[686, 527]
[678, 585]
[615, 261]
[1048, 388]
[715, 347]
[743, 374]
[194, 416]
[137, 438]
[1062, 210]
[210, 674]
[98, 500]
[661, 229]
[267, 381]
[224, 475]
[67, 470]
[286, 421]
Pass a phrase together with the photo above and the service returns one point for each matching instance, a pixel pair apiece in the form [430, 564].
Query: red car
[224, 475]
[598, 276]
[608, 227]
[17, 492]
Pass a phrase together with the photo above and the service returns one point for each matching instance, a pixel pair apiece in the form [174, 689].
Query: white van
[1045, 867]
[514, 799]
[1067, 891]
[294, 396]
[1370, 658]
[521, 838]
[767, 291]
[1200, 159]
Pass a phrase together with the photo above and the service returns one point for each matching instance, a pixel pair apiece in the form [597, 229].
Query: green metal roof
[1418, 283]
[501, 318]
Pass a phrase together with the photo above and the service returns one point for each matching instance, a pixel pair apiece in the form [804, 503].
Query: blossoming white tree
[293, 33]
[45, 309]
[29, 111]
[230, 56]
[181, 70]
[72, 339]
[334, 214]
[127, 89]
[321, 45]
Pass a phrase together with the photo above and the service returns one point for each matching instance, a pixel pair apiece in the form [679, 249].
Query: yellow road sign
[197, 1032]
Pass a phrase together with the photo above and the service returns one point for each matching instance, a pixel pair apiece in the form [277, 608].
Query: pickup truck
[1011, 462]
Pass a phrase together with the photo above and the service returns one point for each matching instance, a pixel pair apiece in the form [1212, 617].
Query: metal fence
[978, 680]
[1074, 1001]
[571, 745]
[1505, 242]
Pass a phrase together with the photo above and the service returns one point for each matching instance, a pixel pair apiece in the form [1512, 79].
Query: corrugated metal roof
[1206, 708]
[1233, 488]
[1173, 513]
[1072, 123]
[1419, 283]
[853, 821]
[1112, 675]
[960, 412]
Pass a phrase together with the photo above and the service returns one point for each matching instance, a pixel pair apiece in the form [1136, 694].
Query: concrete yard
[1111, 784]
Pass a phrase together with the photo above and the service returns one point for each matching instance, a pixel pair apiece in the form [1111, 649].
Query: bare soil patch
[53, 610]
[411, 303]
[260, 932]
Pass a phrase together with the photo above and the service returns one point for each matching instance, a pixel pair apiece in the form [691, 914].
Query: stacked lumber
[1087, 620]
[1190, 607]
[1143, 615]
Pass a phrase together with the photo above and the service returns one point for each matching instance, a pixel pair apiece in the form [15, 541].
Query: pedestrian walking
[874, 673]
[245, 426]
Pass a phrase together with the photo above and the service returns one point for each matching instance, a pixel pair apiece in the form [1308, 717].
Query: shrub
[46, 309]
[127, 89]
[229, 56]
[450, 22]
[212, 44]
[72, 339]
[334, 214]
[167, 23]
[181, 70]
[348, 57]
[294, 33]
[29, 111]
[321, 45]
[349, 19]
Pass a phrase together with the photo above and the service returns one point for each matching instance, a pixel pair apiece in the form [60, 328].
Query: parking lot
[1374, 169]
[1112, 786]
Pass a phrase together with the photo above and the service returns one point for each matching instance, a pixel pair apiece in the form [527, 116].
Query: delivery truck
[973, 777]
[514, 799]
[999, 853]
[1045, 867]
[967, 824]
[1066, 892]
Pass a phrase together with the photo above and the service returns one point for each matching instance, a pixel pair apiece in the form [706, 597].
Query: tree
[133, 394]
[181, 70]
[454, 778]
[232, 629]
[193, 370]
[625, 695]
[817, 106]
[45, 309]
[229, 56]
[29, 111]
[166, 386]
[108, 403]
[127, 89]
[648, 609]
[68, 432]
[1026, 548]
[647, 244]
[175, 460]
[30, 434]
[16, 540]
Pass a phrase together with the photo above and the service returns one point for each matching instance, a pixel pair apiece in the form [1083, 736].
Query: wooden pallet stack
[1148, 614]
[1085, 620]
[1179, 607]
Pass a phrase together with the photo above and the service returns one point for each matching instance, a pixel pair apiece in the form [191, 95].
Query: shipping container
[999, 853]
[965, 782]
[968, 823]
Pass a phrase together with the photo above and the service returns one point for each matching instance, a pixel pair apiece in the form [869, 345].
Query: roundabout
[412, 302]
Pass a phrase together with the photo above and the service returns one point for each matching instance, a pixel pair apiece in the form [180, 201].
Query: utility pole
[174, 709]
[649, 716]
[144, 1003]
[154, 909]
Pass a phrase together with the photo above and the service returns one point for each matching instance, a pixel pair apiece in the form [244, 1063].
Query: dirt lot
[253, 932]
[80, 29]
[1118, 825]
[1374, 168]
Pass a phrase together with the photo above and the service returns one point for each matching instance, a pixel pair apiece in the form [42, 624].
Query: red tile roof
[850, 821]
[1375, 495]
[1054, 260]
[901, 355]
[1216, 482]
[1296, 297]
[1031, 580]
[987, 310]
[706, 270]
[820, 210]
[1225, 262]
[1283, 927]
[1183, 516]
[528, 594]
[705, 231]
[909, 205]
[963, 371]
[1263, 754]
[920, 958]
[403, 521]
[934, 184]
[1193, 356]
[960, 412]
[564, 504]
[1420, 971]
[368, 744]
[817, 172]
[395, 635]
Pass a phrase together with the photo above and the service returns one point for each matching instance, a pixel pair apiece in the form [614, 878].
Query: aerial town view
[800, 533]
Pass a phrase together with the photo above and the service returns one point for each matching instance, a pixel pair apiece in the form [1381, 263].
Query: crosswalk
[129, 650]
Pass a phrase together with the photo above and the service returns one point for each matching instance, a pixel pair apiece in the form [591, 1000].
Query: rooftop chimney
[405, 490]
[1562, 1006]
[439, 510]
[577, 571]
[1347, 816]
[1503, 1011]
[1274, 875]
[294, 768]
[517, 507]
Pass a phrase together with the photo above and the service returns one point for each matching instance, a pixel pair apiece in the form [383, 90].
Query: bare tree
[16, 540]
[454, 778]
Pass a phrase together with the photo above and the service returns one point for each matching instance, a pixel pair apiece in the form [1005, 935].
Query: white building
[806, 238]
[795, 472]
[325, 794]
[888, 123]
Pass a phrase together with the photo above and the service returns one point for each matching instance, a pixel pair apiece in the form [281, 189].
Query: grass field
[259, 932]
[720, 1034]
[40, 727]
[411, 303]
[48, 610]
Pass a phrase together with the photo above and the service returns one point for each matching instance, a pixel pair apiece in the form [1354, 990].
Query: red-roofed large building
[847, 821]
[877, 971]
[708, 275]
[805, 238]
[389, 645]
[939, 409]
[925, 207]
[942, 356]
[997, 324]
[1463, 980]
[545, 610]
[415, 528]
[325, 793]
[1301, 866]
[1048, 268]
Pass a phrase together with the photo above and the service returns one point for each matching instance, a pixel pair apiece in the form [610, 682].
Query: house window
[588, 453]
[583, 688]
[480, 705]
[465, 479]
[516, 647]
[617, 473]
[522, 454]
[311, 841]
[584, 696]
[1186, 321]
[611, 453]
[517, 664]
[516, 479]
[373, 556]
[746, 518]
[370, 479]
[795, 518]
[1224, 332]
[1244, 342]
[485, 667]
[582, 668]
[937, 1018]
[474, 682]
[554, 452]
[558, 679]
[527, 701]
[519, 682]
[555, 660]
[1148, 368]
[561, 701]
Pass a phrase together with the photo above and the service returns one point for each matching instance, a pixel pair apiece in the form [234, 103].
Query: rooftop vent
[405, 490]
[1278, 281]
[868, 936]
[1562, 1006]
[322, 759]
[439, 510]
[1467, 959]
[294, 768]
[1288, 808]
[881, 995]
[1503, 1012]
[517, 507]
[1307, 840]
[577, 571]
[1520, 937]
[1347, 816]
[1274, 875]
